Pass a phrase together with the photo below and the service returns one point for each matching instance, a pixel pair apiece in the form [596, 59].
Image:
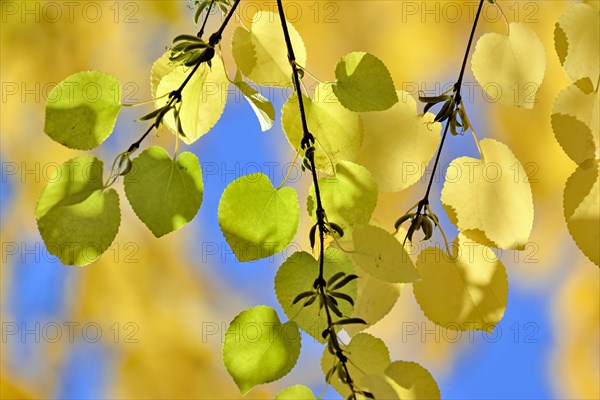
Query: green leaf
[464, 291]
[81, 111]
[364, 83]
[339, 132]
[258, 348]
[203, 98]
[261, 53]
[297, 392]
[297, 274]
[164, 193]
[257, 219]
[367, 355]
[261, 106]
[350, 196]
[510, 68]
[381, 255]
[77, 218]
[398, 145]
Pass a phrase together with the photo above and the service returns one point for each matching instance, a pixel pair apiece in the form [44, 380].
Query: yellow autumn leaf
[414, 382]
[577, 41]
[398, 144]
[510, 68]
[261, 53]
[374, 300]
[465, 290]
[402, 380]
[367, 355]
[582, 209]
[576, 123]
[490, 200]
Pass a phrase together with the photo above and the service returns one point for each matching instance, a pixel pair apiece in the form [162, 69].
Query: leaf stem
[307, 144]
[201, 31]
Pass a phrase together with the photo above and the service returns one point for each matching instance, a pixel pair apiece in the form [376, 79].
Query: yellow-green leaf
[575, 123]
[77, 218]
[297, 392]
[82, 110]
[339, 132]
[261, 52]
[164, 193]
[577, 41]
[261, 106]
[203, 98]
[465, 290]
[349, 197]
[367, 355]
[257, 219]
[510, 68]
[363, 83]
[398, 144]
[490, 200]
[161, 68]
[582, 208]
[379, 254]
[258, 348]
[297, 275]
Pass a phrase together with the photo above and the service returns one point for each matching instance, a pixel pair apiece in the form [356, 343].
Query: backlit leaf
[203, 98]
[490, 201]
[398, 144]
[81, 111]
[363, 83]
[379, 254]
[367, 355]
[297, 274]
[256, 219]
[164, 193]
[463, 291]
[297, 392]
[374, 300]
[77, 218]
[261, 106]
[261, 52]
[349, 197]
[510, 68]
[258, 348]
[339, 132]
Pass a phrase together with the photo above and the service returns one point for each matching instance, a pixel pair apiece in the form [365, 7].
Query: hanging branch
[322, 287]
[192, 51]
[452, 109]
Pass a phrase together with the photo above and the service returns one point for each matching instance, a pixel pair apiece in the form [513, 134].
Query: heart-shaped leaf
[257, 219]
[164, 193]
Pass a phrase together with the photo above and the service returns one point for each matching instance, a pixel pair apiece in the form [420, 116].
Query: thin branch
[175, 96]
[457, 101]
[307, 144]
[201, 31]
